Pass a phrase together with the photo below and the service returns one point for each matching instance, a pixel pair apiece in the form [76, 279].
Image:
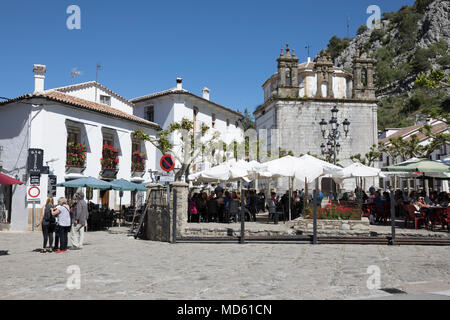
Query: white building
[174, 104]
[50, 120]
[299, 97]
[406, 133]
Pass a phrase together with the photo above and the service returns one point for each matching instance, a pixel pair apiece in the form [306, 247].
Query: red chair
[411, 216]
[446, 220]
[439, 218]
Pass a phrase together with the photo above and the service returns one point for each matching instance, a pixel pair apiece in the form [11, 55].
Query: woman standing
[47, 221]
[63, 213]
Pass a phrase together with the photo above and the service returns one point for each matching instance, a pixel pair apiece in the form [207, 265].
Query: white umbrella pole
[290, 195]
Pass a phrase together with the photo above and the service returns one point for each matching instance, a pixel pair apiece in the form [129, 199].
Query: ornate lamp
[334, 112]
[323, 126]
[346, 124]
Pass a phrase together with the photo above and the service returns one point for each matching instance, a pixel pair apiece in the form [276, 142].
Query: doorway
[5, 204]
[104, 198]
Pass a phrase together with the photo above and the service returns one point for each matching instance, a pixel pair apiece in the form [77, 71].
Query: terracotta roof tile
[85, 104]
[182, 91]
[95, 84]
[437, 128]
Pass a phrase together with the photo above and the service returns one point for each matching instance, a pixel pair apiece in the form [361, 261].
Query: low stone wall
[344, 225]
[234, 230]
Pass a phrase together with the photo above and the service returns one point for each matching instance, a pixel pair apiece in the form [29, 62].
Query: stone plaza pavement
[115, 266]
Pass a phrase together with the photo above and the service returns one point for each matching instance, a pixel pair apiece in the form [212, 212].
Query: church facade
[299, 96]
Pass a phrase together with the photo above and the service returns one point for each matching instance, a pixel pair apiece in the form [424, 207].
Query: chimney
[179, 84]
[206, 93]
[39, 77]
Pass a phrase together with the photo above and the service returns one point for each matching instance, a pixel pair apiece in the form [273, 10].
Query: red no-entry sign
[167, 163]
[34, 192]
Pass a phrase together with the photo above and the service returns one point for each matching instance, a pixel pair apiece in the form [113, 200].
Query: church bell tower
[363, 85]
[288, 74]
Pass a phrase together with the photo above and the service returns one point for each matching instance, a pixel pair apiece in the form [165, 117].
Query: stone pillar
[182, 189]
[282, 72]
[157, 224]
[330, 93]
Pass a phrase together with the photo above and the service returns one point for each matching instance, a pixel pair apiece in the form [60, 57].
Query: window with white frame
[105, 100]
[150, 113]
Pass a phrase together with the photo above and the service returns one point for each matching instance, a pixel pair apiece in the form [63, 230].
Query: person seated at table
[423, 195]
[434, 198]
[443, 199]
[344, 197]
[422, 208]
[413, 196]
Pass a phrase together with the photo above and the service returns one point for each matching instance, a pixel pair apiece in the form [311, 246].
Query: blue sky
[227, 46]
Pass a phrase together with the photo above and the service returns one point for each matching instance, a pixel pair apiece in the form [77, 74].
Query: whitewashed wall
[89, 93]
[48, 132]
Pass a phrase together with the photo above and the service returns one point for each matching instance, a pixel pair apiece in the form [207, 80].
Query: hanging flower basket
[138, 162]
[76, 155]
[110, 158]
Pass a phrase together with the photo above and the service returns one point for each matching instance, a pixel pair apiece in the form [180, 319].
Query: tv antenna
[348, 27]
[97, 68]
[307, 47]
[74, 73]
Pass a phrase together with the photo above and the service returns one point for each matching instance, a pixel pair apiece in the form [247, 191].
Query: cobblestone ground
[114, 266]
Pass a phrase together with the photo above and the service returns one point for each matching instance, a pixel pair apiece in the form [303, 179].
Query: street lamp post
[332, 134]
[333, 147]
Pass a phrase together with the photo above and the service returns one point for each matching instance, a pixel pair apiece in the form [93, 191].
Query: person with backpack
[48, 223]
[63, 213]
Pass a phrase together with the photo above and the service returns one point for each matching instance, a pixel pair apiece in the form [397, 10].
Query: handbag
[193, 208]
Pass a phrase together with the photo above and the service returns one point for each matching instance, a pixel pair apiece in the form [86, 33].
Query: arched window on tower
[324, 89]
[288, 77]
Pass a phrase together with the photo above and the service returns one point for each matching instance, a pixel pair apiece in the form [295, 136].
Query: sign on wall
[35, 180]
[35, 161]
[52, 181]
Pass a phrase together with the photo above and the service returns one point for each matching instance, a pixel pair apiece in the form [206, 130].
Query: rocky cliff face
[412, 41]
[433, 27]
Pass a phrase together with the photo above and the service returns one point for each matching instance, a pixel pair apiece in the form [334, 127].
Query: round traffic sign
[34, 192]
[167, 163]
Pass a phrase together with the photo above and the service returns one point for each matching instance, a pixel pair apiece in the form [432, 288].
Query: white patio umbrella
[358, 170]
[293, 168]
[328, 168]
[226, 172]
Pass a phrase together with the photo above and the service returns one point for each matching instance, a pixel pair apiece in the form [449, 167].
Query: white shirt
[64, 216]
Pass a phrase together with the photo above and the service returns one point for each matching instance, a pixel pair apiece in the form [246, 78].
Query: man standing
[79, 222]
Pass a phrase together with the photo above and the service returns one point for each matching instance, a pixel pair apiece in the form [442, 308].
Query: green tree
[421, 5]
[361, 29]
[248, 120]
[369, 158]
[336, 45]
[194, 144]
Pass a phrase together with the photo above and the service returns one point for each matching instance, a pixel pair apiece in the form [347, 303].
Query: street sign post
[167, 163]
[33, 194]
